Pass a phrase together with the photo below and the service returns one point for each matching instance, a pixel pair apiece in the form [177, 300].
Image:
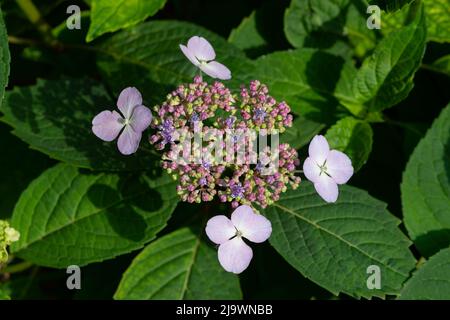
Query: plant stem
[35, 17]
[18, 267]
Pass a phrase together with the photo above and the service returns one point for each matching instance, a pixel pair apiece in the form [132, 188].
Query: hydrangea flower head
[200, 52]
[214, 107]
[326, 168]
[234, 254]
[130, 124]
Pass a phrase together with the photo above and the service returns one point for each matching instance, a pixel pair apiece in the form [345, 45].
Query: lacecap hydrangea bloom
[209, 112]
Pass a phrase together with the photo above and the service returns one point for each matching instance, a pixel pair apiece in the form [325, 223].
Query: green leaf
[246, 36]
[4, 58]
[425, 189]
[180, 265]
[110, 16]
[437, 14]
[148, 57]
[431, 281]
[301, 132]
[262, 31]
[68, 216]
[55, 117]
[390, 5]
[386, 77]
[333, 244]
[320, 24]
[441, 65]
[353, 137]
[309, 80]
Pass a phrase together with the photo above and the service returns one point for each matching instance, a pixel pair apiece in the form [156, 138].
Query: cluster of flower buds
[8, 235]
[206, 113]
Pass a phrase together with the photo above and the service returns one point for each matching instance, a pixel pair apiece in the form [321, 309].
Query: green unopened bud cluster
[8, 235]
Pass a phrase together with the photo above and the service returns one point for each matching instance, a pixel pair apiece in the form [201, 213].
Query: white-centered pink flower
[135, 118]
[326, 168]
[234, 254]
[200, 52]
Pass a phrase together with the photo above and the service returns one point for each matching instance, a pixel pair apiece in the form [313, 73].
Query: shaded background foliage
[308, 52]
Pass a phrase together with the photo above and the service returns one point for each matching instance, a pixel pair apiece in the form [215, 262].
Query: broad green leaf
[319, 24]
[386, 77]
[180, 265]
[301, 132]
[333, 244]
[55, 117]
[390, 5]
[431, 281]
[262, 31]
[426, 189]
[437, 14]
[109, 16]
[308, 80]
[148, 57]
[4, 58]
[353, 137]
[68, 216]
[441, 65]
[246, 36]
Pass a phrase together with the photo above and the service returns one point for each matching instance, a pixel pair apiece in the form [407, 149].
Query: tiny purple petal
[129, 98]
[237, 190]
[339, 166]
[327, 188]
[215, 69]
[201, 48]
[219, 229]
[319, 149]
[235, 255]
[254, 227]
[129, 139]
[107, 125]
[141, 118]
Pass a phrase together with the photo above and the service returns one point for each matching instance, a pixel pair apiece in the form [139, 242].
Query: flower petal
[219, 229]
[129, 98]
[107, 125]
[311, 169]
[235, 255]
[339, 166]
[319, 149]
[141, 118]
[189, 55]
[327, 188]
[201, 48]
[254, 227]
[217, 70]
[129, 139]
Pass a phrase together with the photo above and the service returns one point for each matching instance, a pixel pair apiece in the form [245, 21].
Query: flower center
[323, 168]
[125, 121]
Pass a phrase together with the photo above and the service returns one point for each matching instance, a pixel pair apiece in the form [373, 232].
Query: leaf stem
[34, 16]
[18, 267]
